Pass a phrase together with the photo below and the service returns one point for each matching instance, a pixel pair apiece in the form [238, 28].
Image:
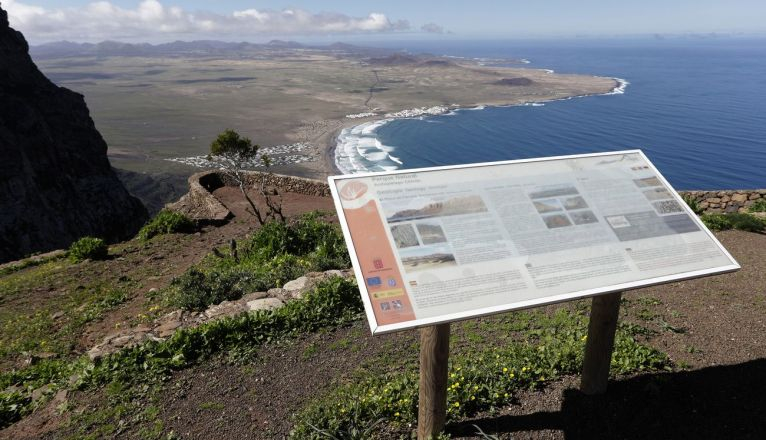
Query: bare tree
[234, 154]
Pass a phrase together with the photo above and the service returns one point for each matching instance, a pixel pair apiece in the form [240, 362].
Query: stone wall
[292, 184]
[725, 201]
[201, 205]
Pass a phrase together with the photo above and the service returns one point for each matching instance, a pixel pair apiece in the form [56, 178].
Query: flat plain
[152, 108]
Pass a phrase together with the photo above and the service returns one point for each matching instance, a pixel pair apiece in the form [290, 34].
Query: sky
[252, 20]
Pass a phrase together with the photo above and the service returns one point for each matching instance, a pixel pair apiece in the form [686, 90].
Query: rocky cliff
[56, 184]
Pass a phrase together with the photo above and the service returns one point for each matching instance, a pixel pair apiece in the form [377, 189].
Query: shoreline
[329, 155]
[328, 142]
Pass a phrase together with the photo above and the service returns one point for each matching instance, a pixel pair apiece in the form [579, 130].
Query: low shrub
[758, 206]
[195, 290]
[716, 222]
[166, 222]
[88, 248]
[309, 236]
[736, 220]
[747, 222]
[275, 254]
[692, 202]
[13, 406]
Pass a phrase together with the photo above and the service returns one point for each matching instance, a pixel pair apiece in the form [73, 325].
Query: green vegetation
[480, 379]
[758, 206]
[88, 248]
[166, 222]
[46, 337]
[29, 262]
[276, 253]
[235, 153]
[735, 220]
[54, 330]
[692, 202]
[492, 357]
[333, 303]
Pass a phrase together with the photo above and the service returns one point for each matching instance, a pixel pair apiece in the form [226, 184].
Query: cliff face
[56, 184]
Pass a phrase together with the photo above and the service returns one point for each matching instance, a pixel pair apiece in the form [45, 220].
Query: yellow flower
[524, 369]
[505, 370]
[511, 375]
[506, 395]
[473, 397]
[584, 337]
[396, 414]
[457, 404]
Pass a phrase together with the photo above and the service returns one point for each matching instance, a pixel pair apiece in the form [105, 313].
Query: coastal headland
[158, 113]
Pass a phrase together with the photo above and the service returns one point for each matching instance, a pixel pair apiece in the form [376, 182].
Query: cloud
[432, 28]
[104, 20]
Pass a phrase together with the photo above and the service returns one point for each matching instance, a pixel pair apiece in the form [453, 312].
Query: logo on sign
[378, 263]
[374, 281]
[392, 282]
[353, 190]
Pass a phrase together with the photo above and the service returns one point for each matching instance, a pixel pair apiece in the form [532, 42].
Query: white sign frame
[524, 304]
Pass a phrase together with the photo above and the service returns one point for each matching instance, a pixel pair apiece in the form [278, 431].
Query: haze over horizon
[156, 21]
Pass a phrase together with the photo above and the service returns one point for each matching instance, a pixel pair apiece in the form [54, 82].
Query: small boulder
[296, 284]
[167, 329]
[264, 304]
[226, 308]
[253, 296]
[739, 198]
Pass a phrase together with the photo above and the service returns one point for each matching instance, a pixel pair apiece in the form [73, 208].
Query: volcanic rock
[56, 183]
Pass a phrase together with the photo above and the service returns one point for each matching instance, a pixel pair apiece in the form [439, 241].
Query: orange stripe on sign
[385, 286]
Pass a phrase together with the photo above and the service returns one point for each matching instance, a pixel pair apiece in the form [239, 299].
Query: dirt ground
[713, 329]
[721, 394]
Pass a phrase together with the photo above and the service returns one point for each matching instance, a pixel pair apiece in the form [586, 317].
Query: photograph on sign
[441, 244]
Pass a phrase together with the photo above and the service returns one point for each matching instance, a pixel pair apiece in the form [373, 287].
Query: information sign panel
[441, 244]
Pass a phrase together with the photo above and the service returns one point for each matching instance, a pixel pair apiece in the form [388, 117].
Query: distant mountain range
[202, 48]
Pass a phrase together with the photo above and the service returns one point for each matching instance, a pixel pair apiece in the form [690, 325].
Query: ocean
[696, 107]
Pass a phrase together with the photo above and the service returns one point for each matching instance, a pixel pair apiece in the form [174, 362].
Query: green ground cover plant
[88, 248]
[166, 222]
[55, 329]
[480, 379]
[758, 206]
[276, 253]
[332, 303]
[735, 220]
[692, 202]
[27, 263]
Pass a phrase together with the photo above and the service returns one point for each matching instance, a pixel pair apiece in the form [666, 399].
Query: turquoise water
[696, 107]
